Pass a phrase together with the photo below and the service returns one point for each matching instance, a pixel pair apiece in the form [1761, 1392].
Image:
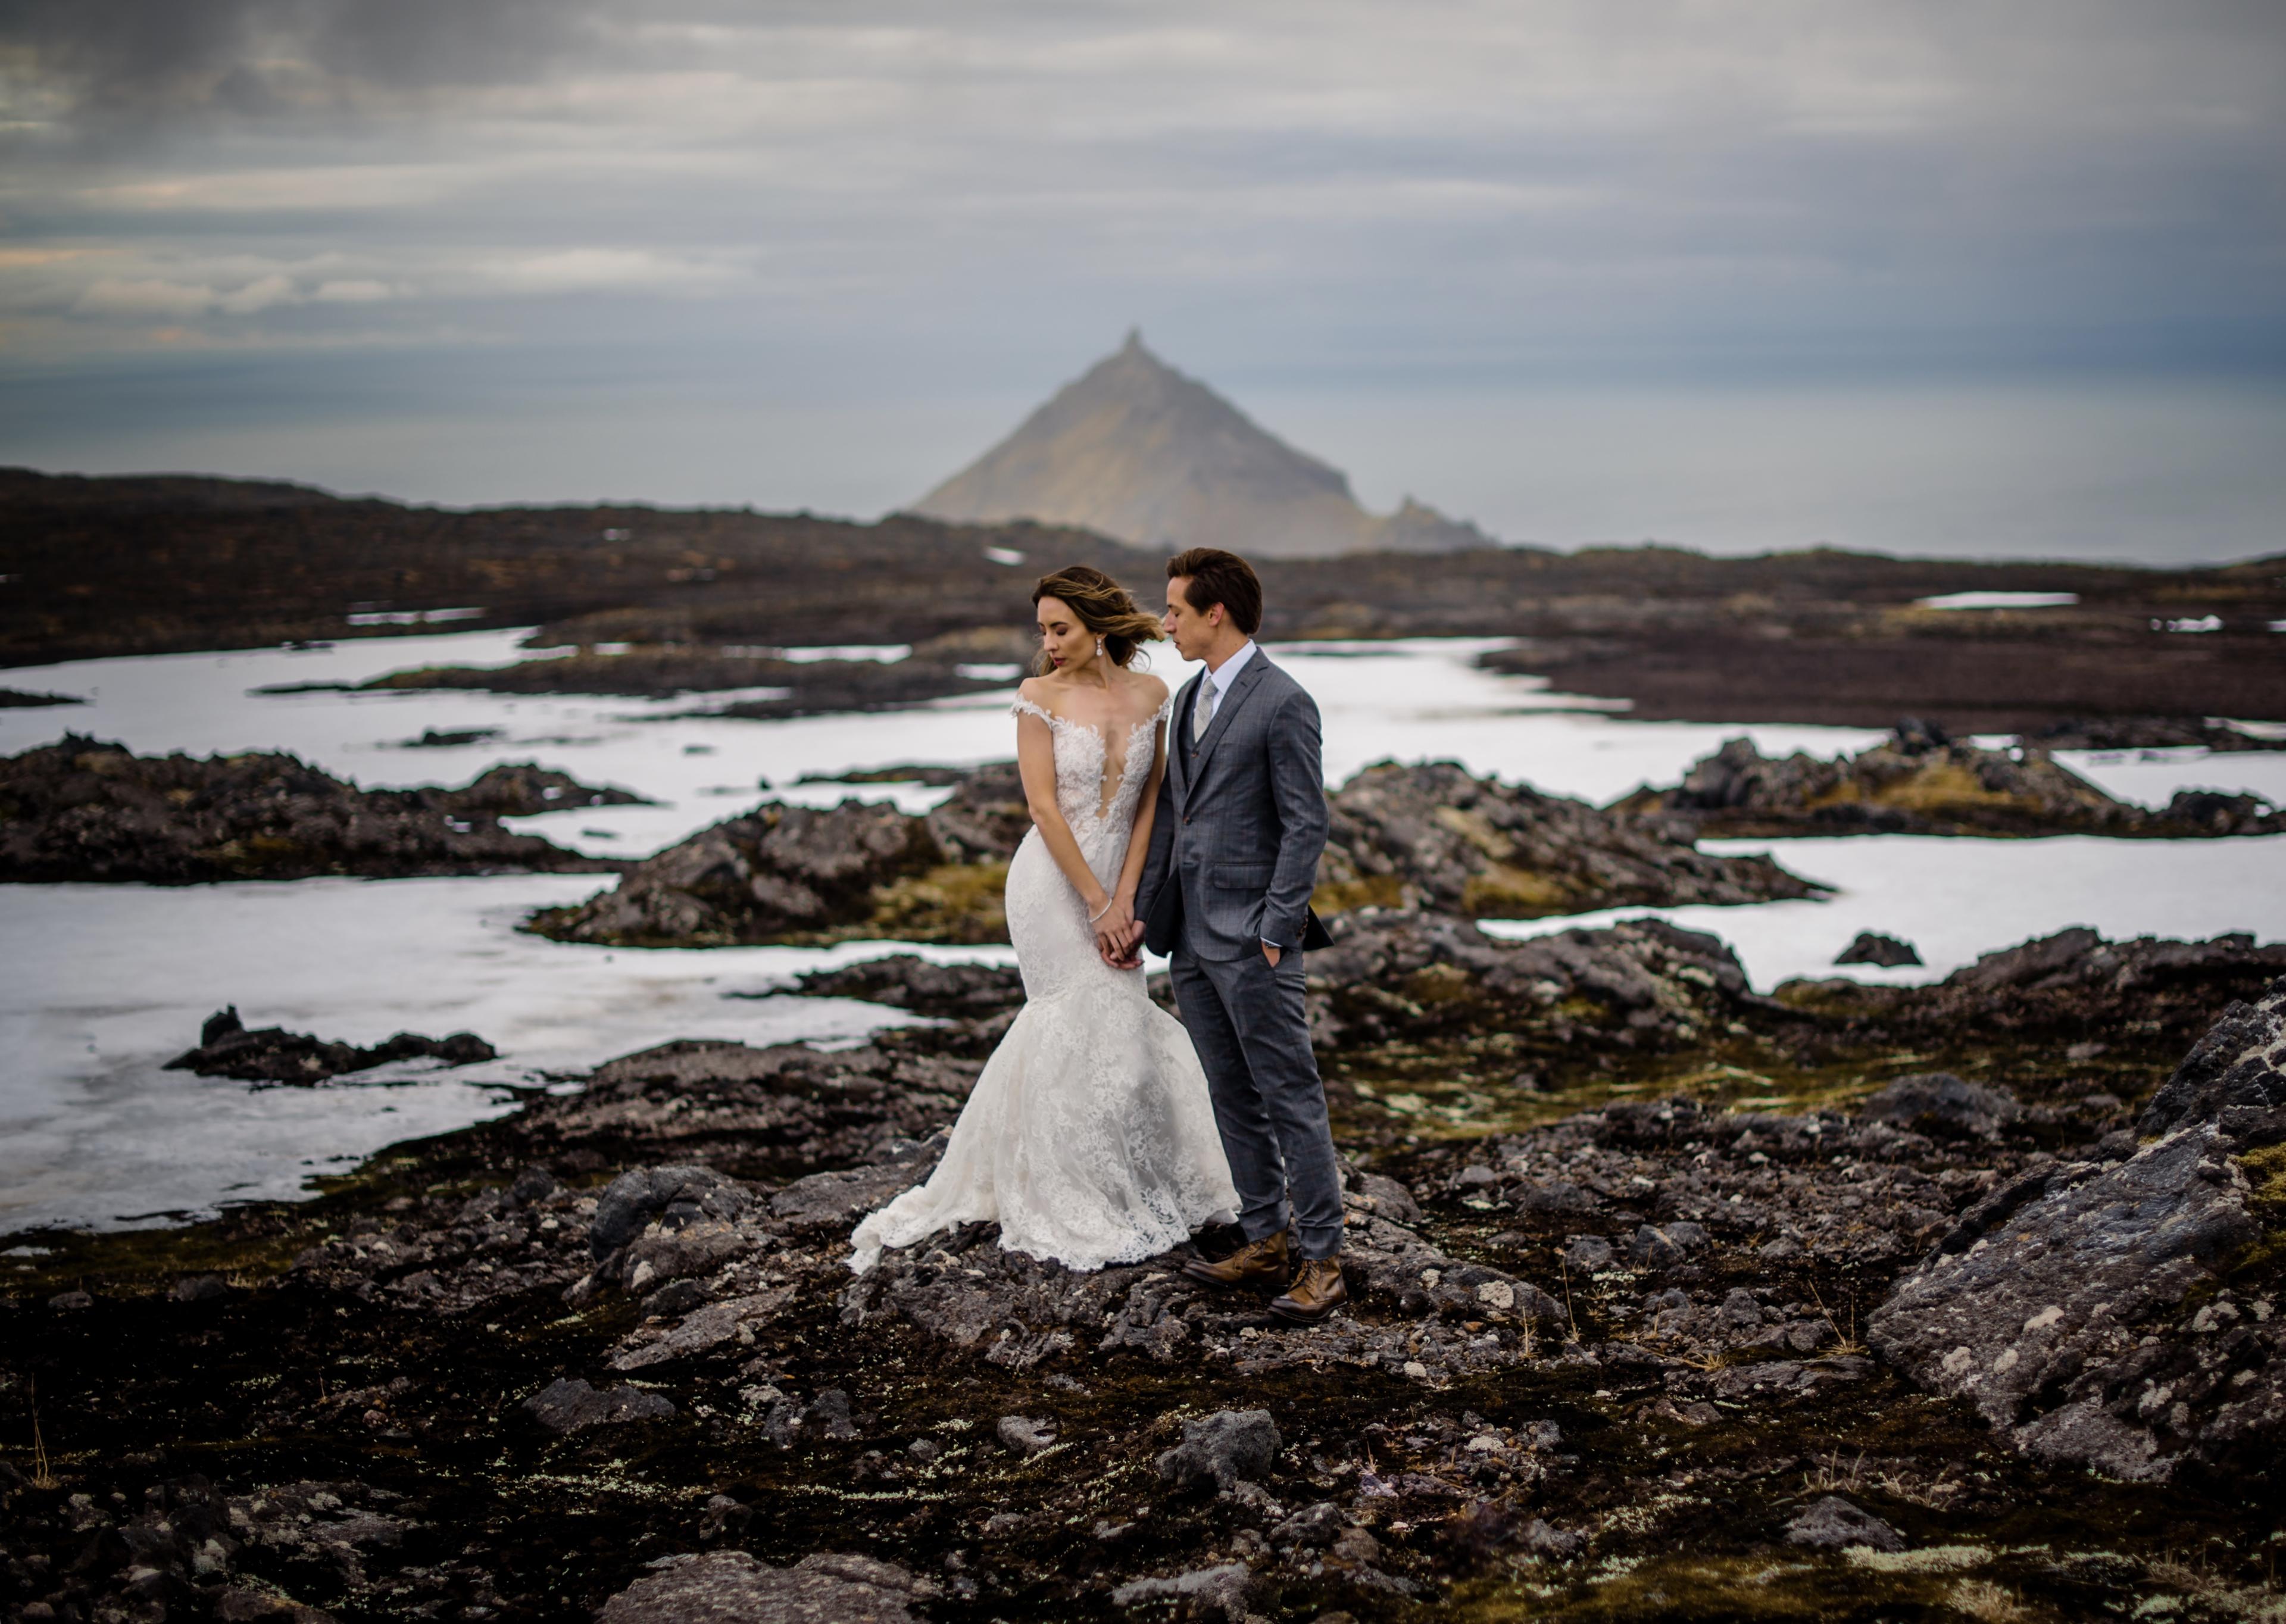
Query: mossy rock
[962, 903]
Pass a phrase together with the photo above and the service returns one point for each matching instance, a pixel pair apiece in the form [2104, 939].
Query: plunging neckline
[1110, 782]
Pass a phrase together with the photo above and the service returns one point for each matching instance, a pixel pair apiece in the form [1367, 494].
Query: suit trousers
[1252, 1029]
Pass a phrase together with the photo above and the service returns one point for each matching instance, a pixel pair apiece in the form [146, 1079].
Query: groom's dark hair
[1217, 576]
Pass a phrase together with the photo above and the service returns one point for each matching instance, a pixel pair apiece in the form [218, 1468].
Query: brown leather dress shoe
[1317, 1290]
[1257, 1262]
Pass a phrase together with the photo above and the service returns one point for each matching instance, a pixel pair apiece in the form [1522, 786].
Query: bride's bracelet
[1100, 913]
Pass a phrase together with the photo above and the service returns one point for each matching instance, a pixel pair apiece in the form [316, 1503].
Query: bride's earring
[1098, 648]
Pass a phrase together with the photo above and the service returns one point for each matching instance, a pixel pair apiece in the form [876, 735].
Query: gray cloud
[149, 65]
[963, 204]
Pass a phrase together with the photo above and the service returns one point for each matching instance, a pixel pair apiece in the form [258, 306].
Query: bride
[1090, 1136]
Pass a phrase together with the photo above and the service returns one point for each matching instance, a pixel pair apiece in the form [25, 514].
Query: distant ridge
[1136, 450]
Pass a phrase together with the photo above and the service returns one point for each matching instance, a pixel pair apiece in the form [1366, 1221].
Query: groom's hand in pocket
[1271, 953]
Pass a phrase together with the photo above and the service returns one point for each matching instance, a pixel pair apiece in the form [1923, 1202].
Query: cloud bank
[969, 203]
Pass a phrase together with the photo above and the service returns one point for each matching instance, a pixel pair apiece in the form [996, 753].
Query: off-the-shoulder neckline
[1024, 704]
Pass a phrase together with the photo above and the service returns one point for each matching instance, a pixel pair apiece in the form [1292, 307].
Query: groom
[1225, 893]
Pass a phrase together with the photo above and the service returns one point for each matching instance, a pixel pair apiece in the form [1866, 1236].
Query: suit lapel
[1238, 692]
[1179, 752]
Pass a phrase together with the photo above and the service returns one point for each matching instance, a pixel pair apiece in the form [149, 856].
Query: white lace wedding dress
[1090, 1136]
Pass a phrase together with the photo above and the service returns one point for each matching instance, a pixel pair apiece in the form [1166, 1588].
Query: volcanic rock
[272, 1054]
[522, 789]
[1025, 1435]
[83, 811]
[1920, 783]
[1404, 975]
[985, 817]
[570, 1406]
[1203, 1593]
[2096, 1313]
[655, 670]
[1437, 836]
[905, 981]
[673, 1198]
[755, 1113]
[1224, 1449]
[733, 1588]
[2064, 986]
[778, 873]
[1871, 948]
[1833, 1524]
[2148, 733]
[1401, 837]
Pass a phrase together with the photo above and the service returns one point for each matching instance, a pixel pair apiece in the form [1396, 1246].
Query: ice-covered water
[105, 984]
[1414, 700]
[99, 985]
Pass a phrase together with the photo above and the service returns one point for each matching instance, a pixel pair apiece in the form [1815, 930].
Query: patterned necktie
[1202, 708]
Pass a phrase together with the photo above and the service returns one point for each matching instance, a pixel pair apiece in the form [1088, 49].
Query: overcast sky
[1914, 274]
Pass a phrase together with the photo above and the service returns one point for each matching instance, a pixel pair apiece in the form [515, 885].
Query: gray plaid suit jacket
[1240, 823]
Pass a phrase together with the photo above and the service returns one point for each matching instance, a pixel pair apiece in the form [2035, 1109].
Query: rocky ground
[86, 811]
[130, 565]
[1920, 782]
[1404, 837]
[2149, 733]
[1899, 1304]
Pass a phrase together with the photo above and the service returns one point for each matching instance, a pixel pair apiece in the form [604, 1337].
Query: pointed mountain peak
[1136, 450]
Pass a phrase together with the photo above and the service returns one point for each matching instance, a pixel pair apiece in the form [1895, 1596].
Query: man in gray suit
[1225, 893]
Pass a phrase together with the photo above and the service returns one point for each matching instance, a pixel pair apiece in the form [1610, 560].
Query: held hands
[1116, 932]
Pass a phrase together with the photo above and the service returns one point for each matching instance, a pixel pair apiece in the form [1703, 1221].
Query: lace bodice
[1098, 787]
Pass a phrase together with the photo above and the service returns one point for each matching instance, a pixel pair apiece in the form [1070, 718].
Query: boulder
[1399, 976]
[1202, 1593]
[776, 874]
[837, 1199]
[1225, 1449]
[1025, 1435]
[701, 1330]
[671, 1197]
[1832, 1524]
[272, 1054]
[905, 981]
[2239, 1065]
[2088, 1310]
[732, 1588]
[572, 1405]
[523, 789]
[1871, 948]
[1437, 836]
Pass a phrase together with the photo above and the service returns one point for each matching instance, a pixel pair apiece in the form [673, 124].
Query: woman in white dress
[1089, 1137]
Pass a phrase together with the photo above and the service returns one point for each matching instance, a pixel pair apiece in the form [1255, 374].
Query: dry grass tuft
[1980, 1598]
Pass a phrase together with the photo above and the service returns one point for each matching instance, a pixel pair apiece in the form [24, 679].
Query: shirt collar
[1231, 667]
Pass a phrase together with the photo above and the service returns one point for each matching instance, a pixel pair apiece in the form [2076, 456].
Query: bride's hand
[1112, 929]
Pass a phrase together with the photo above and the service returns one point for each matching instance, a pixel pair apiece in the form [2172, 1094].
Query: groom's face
[1192, 633]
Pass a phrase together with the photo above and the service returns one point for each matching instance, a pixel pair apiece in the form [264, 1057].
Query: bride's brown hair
[1100, 605]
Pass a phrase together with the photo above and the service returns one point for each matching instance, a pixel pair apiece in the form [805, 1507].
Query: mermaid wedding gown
[1090, 1136]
